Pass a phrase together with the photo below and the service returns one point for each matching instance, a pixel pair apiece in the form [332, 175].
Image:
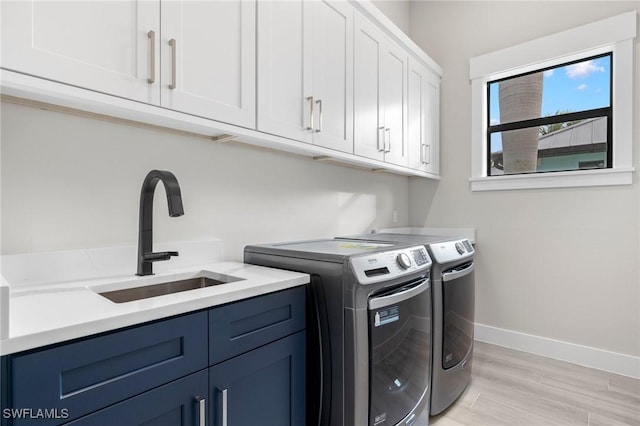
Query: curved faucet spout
[145, 227]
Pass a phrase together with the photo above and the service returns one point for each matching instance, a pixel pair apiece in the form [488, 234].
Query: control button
[460, 248]
[404, 260]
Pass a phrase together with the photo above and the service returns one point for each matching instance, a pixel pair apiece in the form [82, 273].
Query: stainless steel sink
[147, 291]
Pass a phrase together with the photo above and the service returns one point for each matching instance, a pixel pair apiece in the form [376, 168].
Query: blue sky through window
[576, 87]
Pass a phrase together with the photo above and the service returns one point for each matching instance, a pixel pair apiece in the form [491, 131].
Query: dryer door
[400, 352]
[458, 294]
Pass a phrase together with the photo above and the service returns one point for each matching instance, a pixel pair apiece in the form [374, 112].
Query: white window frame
[615, 34]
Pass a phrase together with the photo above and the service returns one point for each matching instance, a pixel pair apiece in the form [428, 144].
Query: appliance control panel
[386, 265]
[448, 251]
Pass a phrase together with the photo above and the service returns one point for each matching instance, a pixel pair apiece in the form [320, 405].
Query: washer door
[400, 352]
[458, 298]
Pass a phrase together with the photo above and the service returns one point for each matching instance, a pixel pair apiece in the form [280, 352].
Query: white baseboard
[613, 362]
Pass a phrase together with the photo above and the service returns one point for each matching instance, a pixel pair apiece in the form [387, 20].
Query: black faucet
[145, 227]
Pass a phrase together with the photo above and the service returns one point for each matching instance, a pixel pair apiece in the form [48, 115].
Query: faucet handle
[161, 255]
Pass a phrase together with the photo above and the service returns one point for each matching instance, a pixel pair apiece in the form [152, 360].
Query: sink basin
[153, 290]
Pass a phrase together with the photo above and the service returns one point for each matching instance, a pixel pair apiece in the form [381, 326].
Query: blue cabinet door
[175, 404]
[263, 387]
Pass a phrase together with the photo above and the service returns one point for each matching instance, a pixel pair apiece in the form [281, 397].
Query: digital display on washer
[420, 257]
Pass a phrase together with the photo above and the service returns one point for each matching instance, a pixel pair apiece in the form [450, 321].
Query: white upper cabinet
[284, 64]
[305, 72]
[423, 118]
[393, 82]
[333, 79]
[199, 58]
[380, 95]
[106, 46]
[208, 59]
[368, 114]
[332, 74]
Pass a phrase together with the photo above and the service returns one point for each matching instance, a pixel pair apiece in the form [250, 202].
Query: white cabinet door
[208, 59]
[368, 129]
[393, 89]
[332, 74]
[284, 65]
[423, 119]
[380, 90]
[305, 71]
[99, 45]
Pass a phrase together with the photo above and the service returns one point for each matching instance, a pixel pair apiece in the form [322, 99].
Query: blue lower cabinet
[84, 376]
[178, 403]
[162, 373]
[265, 386]
[248, 324]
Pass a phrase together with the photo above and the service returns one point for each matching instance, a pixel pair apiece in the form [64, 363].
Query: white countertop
[47, 313]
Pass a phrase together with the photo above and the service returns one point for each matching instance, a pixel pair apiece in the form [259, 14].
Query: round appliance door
[458, 298]
[400, 351]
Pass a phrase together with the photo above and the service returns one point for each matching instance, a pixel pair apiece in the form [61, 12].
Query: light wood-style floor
[511, 388]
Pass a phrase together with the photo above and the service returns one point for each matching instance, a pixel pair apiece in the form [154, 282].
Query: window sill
[572, 179]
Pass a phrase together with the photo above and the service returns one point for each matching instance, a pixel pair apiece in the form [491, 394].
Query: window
[556, 111]
[553, 119]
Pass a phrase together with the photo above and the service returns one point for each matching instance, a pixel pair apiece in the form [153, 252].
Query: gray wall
[399, 11]
[556, 263]
[74, 182]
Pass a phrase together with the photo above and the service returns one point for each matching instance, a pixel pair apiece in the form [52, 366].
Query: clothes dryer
[453, 296]
[368, 328]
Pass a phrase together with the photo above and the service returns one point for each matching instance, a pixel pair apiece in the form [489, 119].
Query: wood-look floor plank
[597, 402]
[510, 387]
[531, 400]
[625, 385]
[470, 416]
[598, 420]
[505, 410]
[583, 387]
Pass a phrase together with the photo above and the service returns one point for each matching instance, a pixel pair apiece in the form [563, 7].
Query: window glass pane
[575, 87]
[562, 146]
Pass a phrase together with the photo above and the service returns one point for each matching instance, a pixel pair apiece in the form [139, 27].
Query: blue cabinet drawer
[174, 404]
[91, 374]
[242, 326]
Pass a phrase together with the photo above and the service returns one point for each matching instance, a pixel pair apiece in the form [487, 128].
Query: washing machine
[453, 296]
[368, 328]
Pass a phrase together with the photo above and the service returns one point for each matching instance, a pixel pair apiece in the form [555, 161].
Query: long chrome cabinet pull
[310, 126]
[151, 35]
[202, 410]
[224, 407]
[381, 131]
[172, 43]
[319, 102]
[387, 148]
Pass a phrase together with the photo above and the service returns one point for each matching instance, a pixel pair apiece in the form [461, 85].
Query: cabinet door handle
[319, 102]
[387, 147]
[425, 153]
[151, 35]
[381, 131]
[202, 410]
[310, 126]
[172, 43]
[224, 407]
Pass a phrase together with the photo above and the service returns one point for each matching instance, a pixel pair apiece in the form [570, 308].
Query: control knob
[460, 248]
[404, 260]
